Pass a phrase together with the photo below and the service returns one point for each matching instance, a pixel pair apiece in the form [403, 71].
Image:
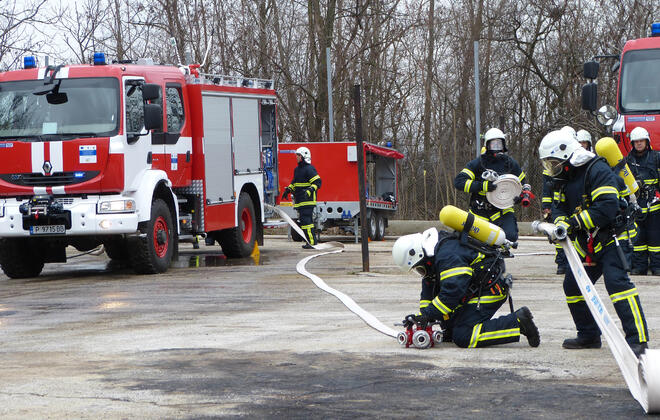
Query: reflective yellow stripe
[586, 219]
[654, 248]
[314, 178]
[521, 176]
[579, 249]
[488, 299]
[639, 322]
[424, 303]
[468, 172]
[650, 181]
[546, 172]
[623, 295]
[475, 336]
[640, 248]
[574, 299]
[468, 183]
[457, 271]
[547, 200]
[305, 203]
[302, 184]
[606, 189]
[479, 257]
[494, 335]
[484, 186]
[441, 306]
[654, 207]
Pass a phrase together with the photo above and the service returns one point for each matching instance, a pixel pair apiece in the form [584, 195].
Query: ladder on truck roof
[238, 81]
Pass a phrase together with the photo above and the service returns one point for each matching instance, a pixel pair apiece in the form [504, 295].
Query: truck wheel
[20, 259]
[380, 227]
[372, 226]
[238, 242]
[116, 250]
[153, 253]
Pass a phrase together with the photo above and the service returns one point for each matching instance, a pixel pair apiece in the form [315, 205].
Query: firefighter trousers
[622, 291]
[474, 327]
[646, 250]
[306, 220]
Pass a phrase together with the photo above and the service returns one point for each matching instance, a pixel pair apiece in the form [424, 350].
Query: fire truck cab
[638, 91]
[136, 157]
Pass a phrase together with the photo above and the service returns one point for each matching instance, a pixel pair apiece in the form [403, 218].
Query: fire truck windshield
[87, 107]
[640, 84]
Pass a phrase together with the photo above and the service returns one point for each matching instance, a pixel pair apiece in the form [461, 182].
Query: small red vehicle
[338, 201]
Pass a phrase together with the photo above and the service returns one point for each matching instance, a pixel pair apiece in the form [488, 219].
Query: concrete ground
[217, 338]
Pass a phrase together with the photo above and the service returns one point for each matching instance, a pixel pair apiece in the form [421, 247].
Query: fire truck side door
[218, 153]
[247, 143]
[137, 148]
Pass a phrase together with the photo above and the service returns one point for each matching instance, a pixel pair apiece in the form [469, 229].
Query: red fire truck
[638, 90]
[133, 156]
[338, 201]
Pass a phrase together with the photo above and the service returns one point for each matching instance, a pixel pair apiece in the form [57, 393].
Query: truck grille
[40, 180]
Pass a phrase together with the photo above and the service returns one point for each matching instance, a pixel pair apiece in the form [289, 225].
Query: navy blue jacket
[470, 181]
[306, 181]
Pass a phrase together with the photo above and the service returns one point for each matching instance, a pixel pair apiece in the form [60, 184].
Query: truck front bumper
[81, 212]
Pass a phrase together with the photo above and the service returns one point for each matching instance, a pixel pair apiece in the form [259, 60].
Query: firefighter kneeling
[463, 285]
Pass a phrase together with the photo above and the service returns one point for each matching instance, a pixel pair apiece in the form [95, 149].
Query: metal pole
[331, 124]
[361, 179]
[477, 128]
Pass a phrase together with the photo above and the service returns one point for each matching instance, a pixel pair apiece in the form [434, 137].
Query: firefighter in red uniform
[306, 181]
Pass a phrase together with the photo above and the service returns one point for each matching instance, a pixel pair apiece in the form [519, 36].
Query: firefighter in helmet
[584, 137]
[471, 180]
[644, 163]
[452, 268]
[588, 209]
[306, 181]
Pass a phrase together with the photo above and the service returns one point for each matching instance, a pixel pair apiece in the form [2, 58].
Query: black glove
[490, 186]
[286, 193]
[420, 320]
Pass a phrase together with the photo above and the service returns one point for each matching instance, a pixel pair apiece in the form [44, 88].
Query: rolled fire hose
[641, 375]
[332, 248]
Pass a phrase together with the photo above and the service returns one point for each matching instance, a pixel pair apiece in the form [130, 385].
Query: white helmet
[556, 148]
[640, 133]
[305, 153]
[570, 130]
[495, 134]
[409, 250]
[584, 136]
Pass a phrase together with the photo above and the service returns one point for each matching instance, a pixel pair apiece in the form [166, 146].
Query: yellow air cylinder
[607, 148]
[481, 230]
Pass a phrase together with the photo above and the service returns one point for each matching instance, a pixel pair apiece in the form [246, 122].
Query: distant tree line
[412, 58]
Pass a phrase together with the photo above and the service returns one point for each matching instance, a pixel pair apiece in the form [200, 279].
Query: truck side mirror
[150, 91]
[590, 97]
[153, 116]
[590, 70]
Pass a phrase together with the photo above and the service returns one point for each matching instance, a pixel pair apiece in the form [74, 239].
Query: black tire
[116, 249]
[239, 242]
[20, 258]
[380, 227]
[153, 253]
[372, 226]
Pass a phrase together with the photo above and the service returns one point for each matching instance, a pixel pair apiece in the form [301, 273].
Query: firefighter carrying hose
[463, 285]
[471, 180]
[306, 181]
[589, 211]
[645, 164]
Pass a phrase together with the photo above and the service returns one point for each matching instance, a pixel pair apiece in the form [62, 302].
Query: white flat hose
[641, 375]
[332, 248]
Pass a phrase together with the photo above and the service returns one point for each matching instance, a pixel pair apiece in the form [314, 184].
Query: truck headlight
[116, 206]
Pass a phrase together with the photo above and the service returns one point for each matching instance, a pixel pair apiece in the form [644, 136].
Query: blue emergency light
[29, 62]
[655, 29]
[78, 174]
[99, 59]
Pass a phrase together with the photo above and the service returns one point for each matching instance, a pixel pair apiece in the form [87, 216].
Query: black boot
[639, 348]
[527, 326]
[307, 246]
[582, 343]
[561, 270]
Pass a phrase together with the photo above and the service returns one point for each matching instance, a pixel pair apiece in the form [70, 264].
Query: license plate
[47, 230]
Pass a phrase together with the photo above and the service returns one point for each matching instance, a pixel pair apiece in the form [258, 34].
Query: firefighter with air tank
[588, 207]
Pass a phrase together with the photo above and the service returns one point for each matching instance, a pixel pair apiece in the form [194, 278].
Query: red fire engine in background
[638, 91]
[338, 198]
[136, 157]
